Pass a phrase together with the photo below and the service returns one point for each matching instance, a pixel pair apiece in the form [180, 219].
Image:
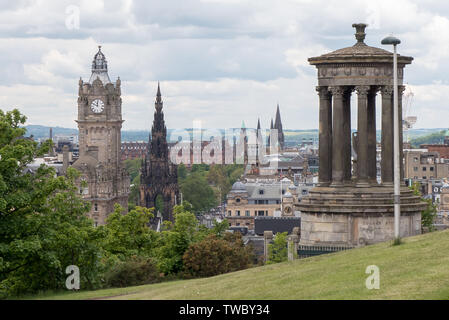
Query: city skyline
[217, 62]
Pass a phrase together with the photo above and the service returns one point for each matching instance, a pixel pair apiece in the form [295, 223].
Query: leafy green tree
[277, 251]
[182, 171]
[43, 226]
[176, 238]
[218, 177]
[133, 167]
[197, 191]
[129, 235]
[427, 215]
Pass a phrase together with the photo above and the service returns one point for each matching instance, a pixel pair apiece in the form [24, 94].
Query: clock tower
[99, 126]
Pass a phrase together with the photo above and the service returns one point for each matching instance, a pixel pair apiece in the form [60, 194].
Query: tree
[133, 167]
[427, 215]
[196, 190]
[176, 238]
[213, 256]
[182, 171]
[277, 251]
[43, 227]
[129, 235]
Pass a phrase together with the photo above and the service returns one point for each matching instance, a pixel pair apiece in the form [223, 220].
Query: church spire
[278, 127]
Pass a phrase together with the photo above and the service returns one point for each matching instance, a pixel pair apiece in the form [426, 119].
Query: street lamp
[397, 193]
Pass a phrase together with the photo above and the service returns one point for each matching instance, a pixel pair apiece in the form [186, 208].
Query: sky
[220, 62]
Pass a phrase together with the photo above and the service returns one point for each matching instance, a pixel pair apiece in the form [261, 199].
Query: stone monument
[353, 208]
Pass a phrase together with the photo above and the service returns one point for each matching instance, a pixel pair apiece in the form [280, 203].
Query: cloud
[220, 61]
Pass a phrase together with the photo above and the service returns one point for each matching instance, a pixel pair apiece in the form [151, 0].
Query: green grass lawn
[417, 269]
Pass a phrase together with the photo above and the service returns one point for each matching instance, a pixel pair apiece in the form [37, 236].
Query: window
[247, 213]
[229, 212]
[424, 168]
[237, 213]
[237, 200]
[415, 168]
[431, 168]
[261, 191]
[415, 159]
[95, 207]
[237, 224]
[424, 177]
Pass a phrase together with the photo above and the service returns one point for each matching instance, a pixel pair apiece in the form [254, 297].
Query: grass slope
[417, 269]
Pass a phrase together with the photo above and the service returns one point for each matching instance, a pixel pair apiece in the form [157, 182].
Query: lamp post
[397, 193]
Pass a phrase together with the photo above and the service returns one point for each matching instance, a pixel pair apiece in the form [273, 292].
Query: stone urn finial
[360, 32]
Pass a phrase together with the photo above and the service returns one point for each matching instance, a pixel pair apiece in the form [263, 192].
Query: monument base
[352, 216]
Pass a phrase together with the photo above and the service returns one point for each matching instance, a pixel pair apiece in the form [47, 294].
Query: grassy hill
[417, 269]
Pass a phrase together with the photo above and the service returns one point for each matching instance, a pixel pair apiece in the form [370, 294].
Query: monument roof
[359, 52]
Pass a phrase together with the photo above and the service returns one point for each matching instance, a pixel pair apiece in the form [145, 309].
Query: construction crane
[407, 120]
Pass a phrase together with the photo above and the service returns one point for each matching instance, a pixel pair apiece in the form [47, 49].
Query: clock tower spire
[99, 129]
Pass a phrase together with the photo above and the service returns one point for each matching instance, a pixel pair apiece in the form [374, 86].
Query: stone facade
[349, 207]
[99, 124]
[159, 177]
[421, 165]
[246, 201]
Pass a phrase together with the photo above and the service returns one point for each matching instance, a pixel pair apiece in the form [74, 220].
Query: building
[421, 165]
[133, 150]
[159, 176]
[442, 149]
[263, 197]
[99, 126]
[278, 126]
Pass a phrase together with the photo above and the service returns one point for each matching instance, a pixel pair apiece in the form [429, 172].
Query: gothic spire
[158, 137]
[278, 127]
[159, 102]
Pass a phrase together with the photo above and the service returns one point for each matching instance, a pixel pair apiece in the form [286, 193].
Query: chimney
[65, 158]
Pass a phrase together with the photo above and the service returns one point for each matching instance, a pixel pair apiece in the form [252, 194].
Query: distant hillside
[43, 132]
[292, 137]
[432, 138]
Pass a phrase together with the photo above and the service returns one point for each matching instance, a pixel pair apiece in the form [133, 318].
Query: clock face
[97, 106]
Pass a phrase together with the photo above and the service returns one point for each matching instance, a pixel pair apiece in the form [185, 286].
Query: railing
[310, 251]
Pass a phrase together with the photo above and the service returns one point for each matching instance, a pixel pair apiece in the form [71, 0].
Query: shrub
[133, 272]
[277, 251]
[213, 256]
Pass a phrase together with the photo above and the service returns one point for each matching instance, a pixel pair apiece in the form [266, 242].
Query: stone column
[325, 136]
[362, 133]
[338, 136]
[401, 136]
[372, 139]
[268, 237]
[347, 151]
[387, 135]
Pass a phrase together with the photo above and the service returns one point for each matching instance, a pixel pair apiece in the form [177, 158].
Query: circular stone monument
[349, 206]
